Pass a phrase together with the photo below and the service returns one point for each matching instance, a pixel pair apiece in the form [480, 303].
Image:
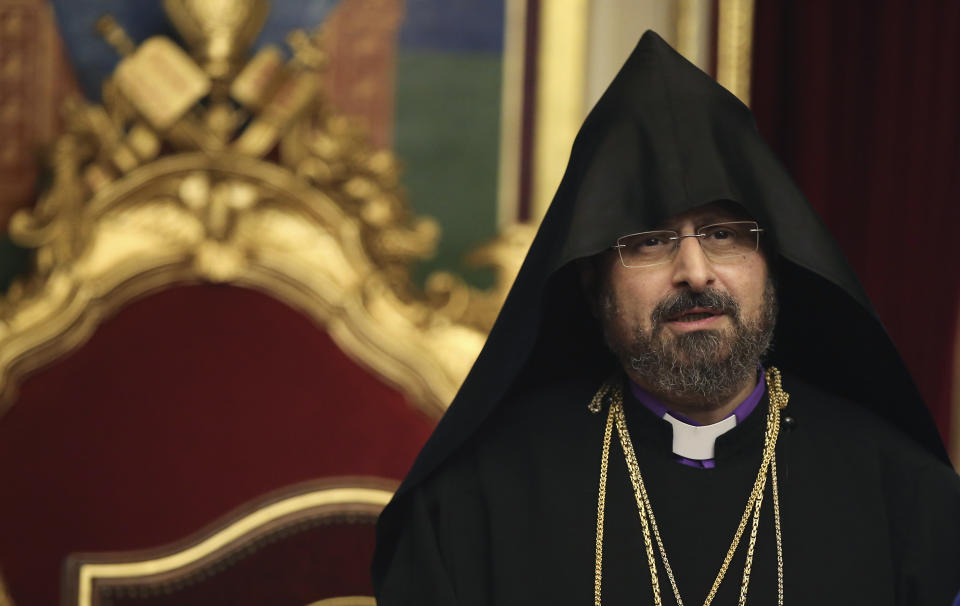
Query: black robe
[868, 517]
[500, 506]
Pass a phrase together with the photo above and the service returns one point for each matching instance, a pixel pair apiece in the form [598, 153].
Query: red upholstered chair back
[182, 407]
[303, 544]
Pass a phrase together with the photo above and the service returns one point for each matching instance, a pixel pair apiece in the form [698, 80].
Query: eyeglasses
[732, 240]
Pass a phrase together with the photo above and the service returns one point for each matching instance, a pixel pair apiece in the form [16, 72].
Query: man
[686, 397]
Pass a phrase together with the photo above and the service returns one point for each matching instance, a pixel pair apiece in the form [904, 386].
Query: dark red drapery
[861, 100]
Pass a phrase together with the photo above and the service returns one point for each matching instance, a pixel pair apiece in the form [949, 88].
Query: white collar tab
[697, 441]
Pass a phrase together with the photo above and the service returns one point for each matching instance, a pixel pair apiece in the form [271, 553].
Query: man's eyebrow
[707, 219]
[721, 218]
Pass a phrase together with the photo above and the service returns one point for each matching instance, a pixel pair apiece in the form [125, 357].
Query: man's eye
[651, 242]
[721, 233]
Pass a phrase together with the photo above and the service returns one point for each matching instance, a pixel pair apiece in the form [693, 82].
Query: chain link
[598, 571]
[615, 417]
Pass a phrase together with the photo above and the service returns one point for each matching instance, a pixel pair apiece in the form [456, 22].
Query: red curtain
[861, 100]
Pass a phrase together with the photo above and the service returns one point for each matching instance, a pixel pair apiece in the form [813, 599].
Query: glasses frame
[677, 238]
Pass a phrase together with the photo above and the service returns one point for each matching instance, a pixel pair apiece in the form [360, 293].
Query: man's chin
[699, 347]
[668, 337]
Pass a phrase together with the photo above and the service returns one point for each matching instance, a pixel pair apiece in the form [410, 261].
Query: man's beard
[702, 368]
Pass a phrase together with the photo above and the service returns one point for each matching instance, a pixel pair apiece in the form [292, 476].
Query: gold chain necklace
[611, 391]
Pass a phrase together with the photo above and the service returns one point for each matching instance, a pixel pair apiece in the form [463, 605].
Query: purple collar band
[741, 412]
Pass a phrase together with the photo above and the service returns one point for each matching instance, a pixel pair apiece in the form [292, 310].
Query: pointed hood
[663, 139]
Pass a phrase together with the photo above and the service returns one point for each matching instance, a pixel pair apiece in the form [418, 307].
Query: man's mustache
[715, 300]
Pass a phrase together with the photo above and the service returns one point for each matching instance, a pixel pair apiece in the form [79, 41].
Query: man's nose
[691, 268]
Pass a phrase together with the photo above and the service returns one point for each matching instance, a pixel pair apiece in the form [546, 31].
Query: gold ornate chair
[220, 308]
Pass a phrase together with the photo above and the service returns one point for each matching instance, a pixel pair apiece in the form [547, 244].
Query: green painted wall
[447, 139]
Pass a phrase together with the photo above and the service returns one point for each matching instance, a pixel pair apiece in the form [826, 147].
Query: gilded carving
[170, 182]
[352, 600]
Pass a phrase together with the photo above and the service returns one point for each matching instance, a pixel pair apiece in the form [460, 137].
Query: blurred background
[250, 248]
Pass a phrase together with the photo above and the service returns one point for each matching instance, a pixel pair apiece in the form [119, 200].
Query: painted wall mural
[422, 76]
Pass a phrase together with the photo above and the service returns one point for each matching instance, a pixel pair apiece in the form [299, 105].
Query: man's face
[691, 328]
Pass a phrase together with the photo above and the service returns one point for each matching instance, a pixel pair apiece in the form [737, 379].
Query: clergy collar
[693, 442]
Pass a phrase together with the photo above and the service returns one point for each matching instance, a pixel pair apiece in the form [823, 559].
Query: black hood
[663, 139]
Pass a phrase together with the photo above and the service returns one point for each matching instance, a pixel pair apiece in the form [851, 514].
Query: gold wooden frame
[735, 46]
[511, 111]
[289, 506]
[353, 600]
[561, 79]
[180, 186]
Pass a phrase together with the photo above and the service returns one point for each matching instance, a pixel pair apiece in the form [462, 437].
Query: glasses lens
[647, 248]
[730, 239]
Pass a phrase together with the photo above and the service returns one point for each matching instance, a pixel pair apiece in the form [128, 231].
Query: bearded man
[644, 425]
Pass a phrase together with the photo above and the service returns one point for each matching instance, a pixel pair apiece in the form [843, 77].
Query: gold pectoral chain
[611, 391]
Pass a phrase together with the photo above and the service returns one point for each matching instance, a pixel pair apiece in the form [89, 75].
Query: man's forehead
[713, 212]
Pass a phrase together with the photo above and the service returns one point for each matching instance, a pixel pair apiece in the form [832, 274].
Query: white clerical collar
[697, 442]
